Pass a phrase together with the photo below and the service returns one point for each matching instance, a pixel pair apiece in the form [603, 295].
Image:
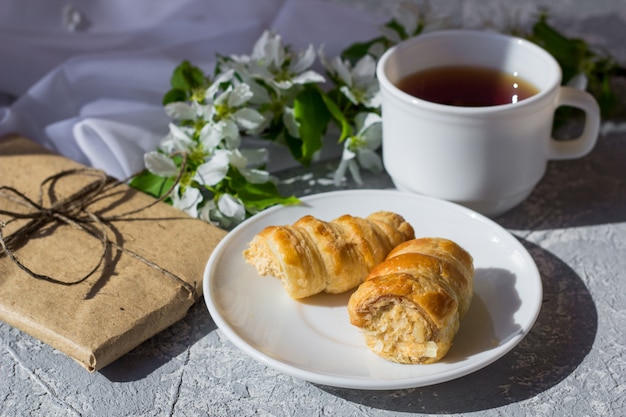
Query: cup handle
[582, 145]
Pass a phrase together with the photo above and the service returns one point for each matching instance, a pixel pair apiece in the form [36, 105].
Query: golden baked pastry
[313, 256]
[410, 305]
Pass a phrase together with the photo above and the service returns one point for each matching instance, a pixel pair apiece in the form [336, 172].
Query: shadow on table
[586, 191]
[580, 192]
[160, 349]
[558, 342]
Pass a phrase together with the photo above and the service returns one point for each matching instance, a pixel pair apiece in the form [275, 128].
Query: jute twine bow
[73, 211]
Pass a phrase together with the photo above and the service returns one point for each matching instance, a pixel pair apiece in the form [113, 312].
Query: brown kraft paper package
[146, 280]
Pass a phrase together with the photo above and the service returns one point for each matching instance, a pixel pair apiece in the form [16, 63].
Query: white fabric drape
[93, 94]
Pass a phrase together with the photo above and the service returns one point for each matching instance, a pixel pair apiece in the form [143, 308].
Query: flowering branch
[274, 94]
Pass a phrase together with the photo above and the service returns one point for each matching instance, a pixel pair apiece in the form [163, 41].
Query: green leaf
[398, 28]
[607, 100]
[570, 53]
[358, 50]
[257, 197]
[174, 95]
[339, 117]
[576, 56]
[151, 184]
[293, 144]
[313, 117]
[186, 77]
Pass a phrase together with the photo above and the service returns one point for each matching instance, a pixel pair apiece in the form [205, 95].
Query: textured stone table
[573, 362]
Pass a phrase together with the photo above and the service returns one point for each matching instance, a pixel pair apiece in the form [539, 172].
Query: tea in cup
[468, 116]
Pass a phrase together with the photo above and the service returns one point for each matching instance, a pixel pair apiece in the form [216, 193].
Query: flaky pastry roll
[410, 305]
[313, 256]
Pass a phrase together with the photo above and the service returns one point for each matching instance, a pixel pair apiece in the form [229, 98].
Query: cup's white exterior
[486, 158]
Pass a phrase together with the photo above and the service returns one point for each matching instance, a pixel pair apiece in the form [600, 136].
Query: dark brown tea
[467, 86]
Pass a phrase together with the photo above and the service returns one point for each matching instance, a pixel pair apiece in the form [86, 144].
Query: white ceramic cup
[486, 158]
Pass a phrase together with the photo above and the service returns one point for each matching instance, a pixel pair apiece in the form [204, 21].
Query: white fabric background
[94, 94]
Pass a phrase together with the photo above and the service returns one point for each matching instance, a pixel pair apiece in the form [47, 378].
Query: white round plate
[314, 340]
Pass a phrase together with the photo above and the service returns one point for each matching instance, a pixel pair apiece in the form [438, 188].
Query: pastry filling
[400, 331]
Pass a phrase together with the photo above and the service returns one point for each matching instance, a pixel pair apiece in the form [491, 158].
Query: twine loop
[73, 211]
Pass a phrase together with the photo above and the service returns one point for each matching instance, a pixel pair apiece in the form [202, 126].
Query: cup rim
[433, 106]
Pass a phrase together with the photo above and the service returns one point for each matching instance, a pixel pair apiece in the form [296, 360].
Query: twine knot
[73, 211]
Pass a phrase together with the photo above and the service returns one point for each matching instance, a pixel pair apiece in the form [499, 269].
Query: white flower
[179, 139]
[290, 122]
[256, 176]
[415, 17]
[268, 48]
[248, 119]
[377, 49]
[579, 81]
[229, 211]
[215, 169]
[229, 105]
[160, 164]
[512, 16]
[188, 201]
[278, 66]
[364, 87]
[260, 94]
[231, 207]
[222, 78]
[234, 96]
[224, 132]
[205, 213]
[180, 110]
[252, 175]
[360, 83]
[362, 148]
[255, 156]
[408, 16]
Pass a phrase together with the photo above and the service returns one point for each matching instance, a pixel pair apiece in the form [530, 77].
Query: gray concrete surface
[573, 362]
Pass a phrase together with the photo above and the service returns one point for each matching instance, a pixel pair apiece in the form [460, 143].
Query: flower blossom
[160, 164]
[277, 65]
[186, 199]
[221, 113]
[229, 114]
[360, 85]
[215, 169]
[362, 148]
[196, 108]
[179, 139]
[227, 212]
[413, 18]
